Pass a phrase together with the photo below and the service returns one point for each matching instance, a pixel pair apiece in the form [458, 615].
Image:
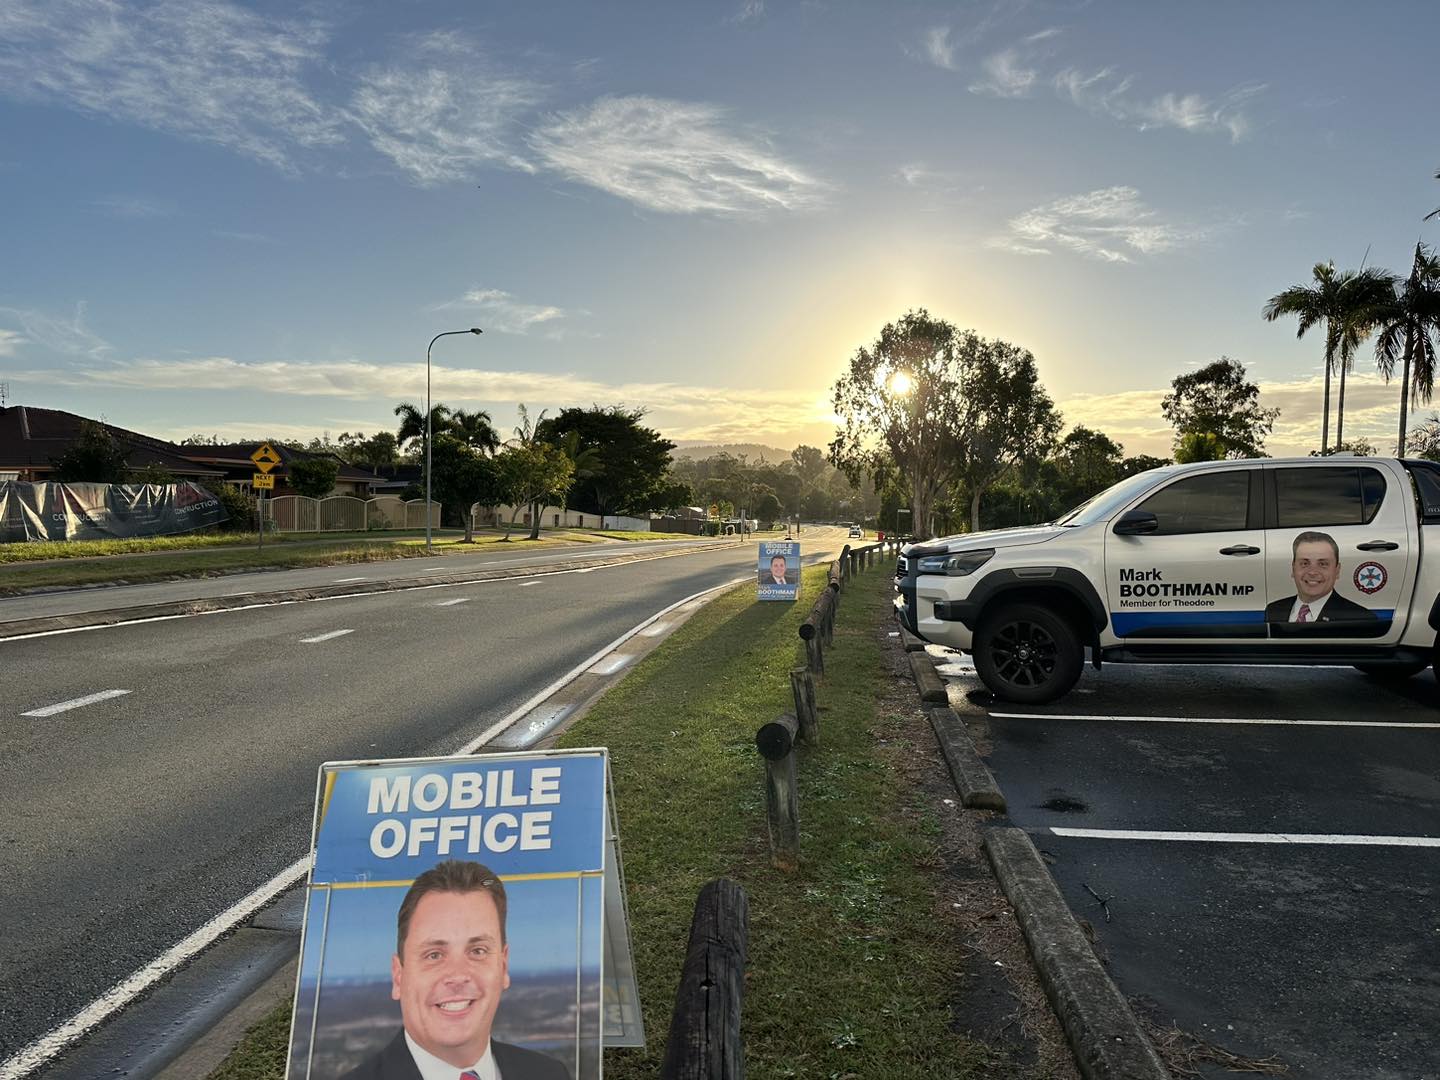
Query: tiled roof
[33, 438]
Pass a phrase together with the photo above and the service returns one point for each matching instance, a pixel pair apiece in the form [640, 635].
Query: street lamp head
[476, 330]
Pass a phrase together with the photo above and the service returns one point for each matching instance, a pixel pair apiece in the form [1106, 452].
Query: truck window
[1427, 483]
[1211, 502]
[1340, 495]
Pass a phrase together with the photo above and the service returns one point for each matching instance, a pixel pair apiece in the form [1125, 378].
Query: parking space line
[324, 637]
[75, 703]
[1252, 838]
[1269, 720]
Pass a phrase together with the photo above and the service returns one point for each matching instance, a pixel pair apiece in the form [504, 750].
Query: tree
[1217, 400]
[1006, 417]
[809, 462]
[1424, 441]
[152, 473]
[314, 476]
[1361, 447]
[412, 425]
[1408, 327]
[1089, 461]
[475, 430]
[463, 477]
[94, 458]
[374, 451]
[629, 461]
[901, 399]
[768, 508]
[534, 472]
[1141, 463]
[1345, 302]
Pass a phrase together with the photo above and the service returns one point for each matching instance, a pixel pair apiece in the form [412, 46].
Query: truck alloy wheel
[1027, 653]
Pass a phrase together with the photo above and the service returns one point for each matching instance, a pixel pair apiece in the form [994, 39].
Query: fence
[345, 513]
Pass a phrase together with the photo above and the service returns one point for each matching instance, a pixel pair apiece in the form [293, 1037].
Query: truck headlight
[958, 564]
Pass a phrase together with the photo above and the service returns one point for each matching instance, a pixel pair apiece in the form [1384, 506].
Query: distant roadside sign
[265, 458]
[263, 481]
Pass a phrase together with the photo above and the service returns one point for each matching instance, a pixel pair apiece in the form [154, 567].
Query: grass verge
[850, 975]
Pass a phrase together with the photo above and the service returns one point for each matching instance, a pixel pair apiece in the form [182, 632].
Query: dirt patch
[997, 998]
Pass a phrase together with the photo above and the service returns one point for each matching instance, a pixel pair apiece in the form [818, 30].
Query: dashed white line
[347, 580]
[527, 584]
[1263, 721]
[1252, 838]
[324, 637]
[452, 603]
[75, 703]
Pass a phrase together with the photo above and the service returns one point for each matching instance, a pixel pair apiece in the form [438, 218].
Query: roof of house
[34, 438]
[237, 455]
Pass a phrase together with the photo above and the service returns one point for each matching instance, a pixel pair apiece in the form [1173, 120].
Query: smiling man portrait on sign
[450, 967]
[1315, 568]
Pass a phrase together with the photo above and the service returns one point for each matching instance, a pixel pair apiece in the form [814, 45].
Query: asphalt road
[129, 821]
[1324, 954]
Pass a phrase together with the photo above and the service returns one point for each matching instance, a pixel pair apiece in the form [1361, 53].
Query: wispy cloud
[9, 342]
[1111, 224]
[750, 11]
[937, 48]
[67, 336]
[671, 156]
[1107, 93]
[496, 309]
[133, 207]
[1012, 72]
[440, 113]
[201, 69]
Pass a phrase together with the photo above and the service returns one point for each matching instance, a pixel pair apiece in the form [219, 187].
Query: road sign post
[265, 457]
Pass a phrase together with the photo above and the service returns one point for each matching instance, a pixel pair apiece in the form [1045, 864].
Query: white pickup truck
[1269, 561]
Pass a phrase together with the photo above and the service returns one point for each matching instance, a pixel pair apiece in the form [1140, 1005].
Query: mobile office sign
[540, 964]
[779, 570]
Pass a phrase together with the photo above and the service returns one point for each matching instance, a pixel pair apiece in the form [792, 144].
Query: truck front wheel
[1028, 654]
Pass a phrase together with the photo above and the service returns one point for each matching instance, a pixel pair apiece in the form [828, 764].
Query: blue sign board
[779, 570]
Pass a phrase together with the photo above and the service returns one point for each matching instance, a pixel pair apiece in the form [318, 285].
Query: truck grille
[901, 569]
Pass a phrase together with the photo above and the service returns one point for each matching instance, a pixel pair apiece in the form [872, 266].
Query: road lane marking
[452, 603]
[75, 703]
[612, 664]
[324, 637]
[1252, 838]
[527, 584]
[347, 580]
[1264, 721]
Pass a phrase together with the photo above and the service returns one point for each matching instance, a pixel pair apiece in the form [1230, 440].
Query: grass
[851, 974]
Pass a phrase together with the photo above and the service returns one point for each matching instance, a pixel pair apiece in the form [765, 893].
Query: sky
[249, 219]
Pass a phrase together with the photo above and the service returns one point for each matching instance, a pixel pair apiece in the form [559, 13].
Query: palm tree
[475, 430]
[1345, 301]
[412, 423]
[1409, 326]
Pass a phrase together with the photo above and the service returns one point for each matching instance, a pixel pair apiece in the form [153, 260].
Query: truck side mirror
[1136, 523]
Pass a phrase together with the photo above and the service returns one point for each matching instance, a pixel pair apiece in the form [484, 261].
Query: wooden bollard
[802, 689]
[844, 562]
[834, 576]
[704, 1042]
[775, 741]
[810, 633]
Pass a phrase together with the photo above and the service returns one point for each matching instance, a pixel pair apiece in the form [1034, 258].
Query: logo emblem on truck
[1370, 577]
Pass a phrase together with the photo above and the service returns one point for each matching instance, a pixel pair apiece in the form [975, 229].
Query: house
[234, 462]
[32, 440]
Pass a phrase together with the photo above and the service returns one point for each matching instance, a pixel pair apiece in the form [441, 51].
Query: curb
[172, 609]
[973, 779]
[1106, 1039]
[910, 641]
[931, 686]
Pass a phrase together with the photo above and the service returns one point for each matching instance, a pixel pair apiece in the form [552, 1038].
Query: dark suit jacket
[767, 579]
[1336, 609]
[515, 1063]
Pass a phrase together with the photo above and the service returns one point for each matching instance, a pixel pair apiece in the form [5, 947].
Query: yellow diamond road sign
[266, 457]
[263, 480]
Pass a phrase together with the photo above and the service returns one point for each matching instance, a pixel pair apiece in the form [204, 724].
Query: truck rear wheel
[1392, 672]
[1028, 653]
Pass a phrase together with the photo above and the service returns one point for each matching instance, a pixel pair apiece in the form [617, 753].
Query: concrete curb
[972, 777]
[911, 642]
[1106, 1039]
[84, 620]
[932, 687]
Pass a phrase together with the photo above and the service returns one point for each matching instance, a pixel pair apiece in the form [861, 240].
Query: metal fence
[345, 513]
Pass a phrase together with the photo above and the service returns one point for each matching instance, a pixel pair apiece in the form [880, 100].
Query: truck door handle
[1377, 545]
[1240, 549]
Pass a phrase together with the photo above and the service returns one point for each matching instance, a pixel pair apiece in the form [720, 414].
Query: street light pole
[429, 550]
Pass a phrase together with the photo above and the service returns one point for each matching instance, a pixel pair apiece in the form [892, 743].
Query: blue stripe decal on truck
[1126, 623]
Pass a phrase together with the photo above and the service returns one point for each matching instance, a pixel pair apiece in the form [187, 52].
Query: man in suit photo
[450, 966]
[1315, 568]
[776, 574]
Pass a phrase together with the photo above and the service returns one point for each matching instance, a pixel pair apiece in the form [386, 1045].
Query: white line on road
[527, 584]
[346, 580]
[324, 637]
[122, 993]
[1269, 720]
[1253, 837]
[75, 703]
[452, 603]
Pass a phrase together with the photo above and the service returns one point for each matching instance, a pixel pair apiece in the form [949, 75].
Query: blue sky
[249, 219]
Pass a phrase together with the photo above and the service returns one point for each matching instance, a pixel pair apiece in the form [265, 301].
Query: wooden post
[844, 561]
[834, 575]
[776, 742]
[814, 660]
[704, 1042]
[802, 689]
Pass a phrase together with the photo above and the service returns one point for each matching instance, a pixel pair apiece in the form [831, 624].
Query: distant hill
[752, 451]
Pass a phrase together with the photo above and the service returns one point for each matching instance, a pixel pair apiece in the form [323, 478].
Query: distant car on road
[856, 532]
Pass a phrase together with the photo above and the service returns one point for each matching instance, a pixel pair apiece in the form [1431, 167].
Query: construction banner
[104, 511]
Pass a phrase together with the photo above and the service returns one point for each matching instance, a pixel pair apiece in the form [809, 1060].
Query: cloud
[671, 156]
[133, 207]
[1006, 75]
[750, 11]
[937, 48]
[201, 69]
[496, 309]
[1110, 224]
[9, 342]
[1106, 93]
[69, 337]
[442, 112]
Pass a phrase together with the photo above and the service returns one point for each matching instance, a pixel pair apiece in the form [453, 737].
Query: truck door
[1199, 574]
[1341, 553]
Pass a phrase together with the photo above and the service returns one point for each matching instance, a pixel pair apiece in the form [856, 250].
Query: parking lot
[1257, 850]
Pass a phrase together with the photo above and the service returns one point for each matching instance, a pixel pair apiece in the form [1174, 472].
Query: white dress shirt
[1313, 605]
[432, 1068]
